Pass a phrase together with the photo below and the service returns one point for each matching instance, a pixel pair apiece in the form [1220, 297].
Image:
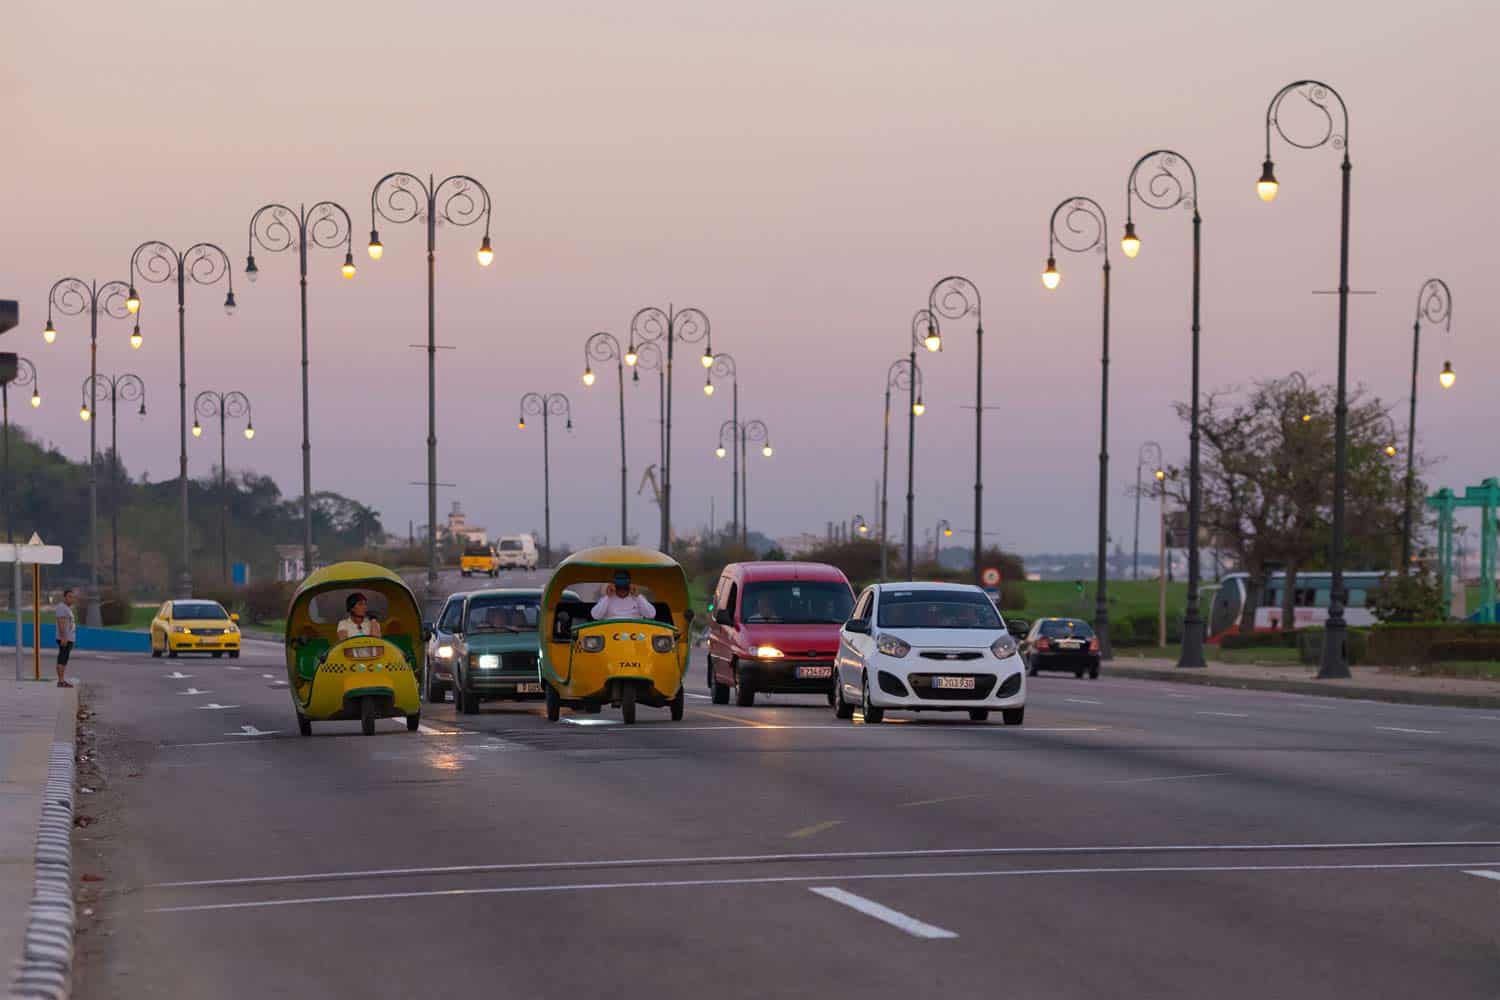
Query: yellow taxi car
[195, 626]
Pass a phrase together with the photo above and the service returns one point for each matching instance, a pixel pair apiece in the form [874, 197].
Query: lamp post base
[1192, 644]
[92, 618]
[1333, 665]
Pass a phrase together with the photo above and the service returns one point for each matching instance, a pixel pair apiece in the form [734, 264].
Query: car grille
[206, 631]
[517, 661]
[921, 685]
[968, 655]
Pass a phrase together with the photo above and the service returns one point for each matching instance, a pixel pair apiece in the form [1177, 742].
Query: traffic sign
[990, 577]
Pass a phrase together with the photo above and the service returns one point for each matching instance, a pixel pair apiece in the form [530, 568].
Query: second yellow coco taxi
[195, 626]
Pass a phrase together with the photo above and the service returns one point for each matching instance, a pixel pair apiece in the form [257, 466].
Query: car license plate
[954, 683]
[528, 689]
[1070, 644]
[804, 673]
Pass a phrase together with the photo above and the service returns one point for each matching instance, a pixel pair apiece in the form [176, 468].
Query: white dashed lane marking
[1419, 732]
[884, 914]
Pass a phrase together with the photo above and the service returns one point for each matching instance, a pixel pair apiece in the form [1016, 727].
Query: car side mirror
[1018, 628]
[426, 631]
[233, 617]
[724, 616]
[858, 626]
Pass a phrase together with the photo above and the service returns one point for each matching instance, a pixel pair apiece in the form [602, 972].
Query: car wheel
[677, 704]
[1013, 716]
[872, 713]
[234, 654]
[841, 708]
[718, 692]
[554, 703]
[155, 653]
[744, 694]
[627, 704]
[304, 725]
[1031, 669]
[435, 694]
[978, 714]
[171, 653]
[217, 655]
[470, 701]
[1094, 672]
[1078, 674]
[367, 716]
[413, 722]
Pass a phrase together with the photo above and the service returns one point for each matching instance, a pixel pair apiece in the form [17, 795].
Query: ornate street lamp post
[276, 228]
[1434, 304]
[942, 530]
[202, 264]
[400, 197]
[605, 347]
[96, 389]
[1156, 181]
[725, 367]
[547, 405]
[924, 331]
[752, 432]
[652, 325]
[25, 375]
[72, 296]
[1335, 133]
[955, 297]
[899, 376]
[208, 404]
[1140, 461]
[647, 357]
[1079, 225]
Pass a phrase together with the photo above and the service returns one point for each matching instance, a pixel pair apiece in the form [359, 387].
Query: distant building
[290, 567]
[458, 527]
[800, 545]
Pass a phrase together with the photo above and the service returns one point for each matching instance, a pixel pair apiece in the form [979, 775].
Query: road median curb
[1325, 689]
[45, 968]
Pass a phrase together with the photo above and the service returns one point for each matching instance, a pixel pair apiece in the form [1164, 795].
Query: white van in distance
[516, 552]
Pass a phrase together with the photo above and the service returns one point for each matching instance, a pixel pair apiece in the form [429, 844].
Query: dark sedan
[1061, 644]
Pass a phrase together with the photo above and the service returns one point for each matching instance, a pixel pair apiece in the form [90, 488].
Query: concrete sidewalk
[1391, 684]
[35, 716]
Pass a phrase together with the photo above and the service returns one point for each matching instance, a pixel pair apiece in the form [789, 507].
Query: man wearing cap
[622, 600]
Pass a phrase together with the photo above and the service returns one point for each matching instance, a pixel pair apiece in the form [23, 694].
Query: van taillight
[1043, 644]
[1094, 645]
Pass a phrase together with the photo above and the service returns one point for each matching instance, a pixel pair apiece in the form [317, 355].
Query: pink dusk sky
[802, 173]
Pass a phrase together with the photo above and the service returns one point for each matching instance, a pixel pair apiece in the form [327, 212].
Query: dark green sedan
[484, 648]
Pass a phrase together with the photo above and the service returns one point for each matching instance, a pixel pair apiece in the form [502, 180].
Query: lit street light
[71, 297]
[114, 388]
[899, 376]
[1335, 133]
[1150, 447]
[1434, 304]
[25, 375]
[202, 264]
[1165, 189]
[754, 432]
[277, 228]
[725, 367]
[605, 347]
[546, 405]
[210, 403]
[955, 297]
[942, 531]
[400, 197]
[924, 331]
[1079, 225]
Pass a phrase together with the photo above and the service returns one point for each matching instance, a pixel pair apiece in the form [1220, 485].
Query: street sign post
[35, 554]
[989, 577]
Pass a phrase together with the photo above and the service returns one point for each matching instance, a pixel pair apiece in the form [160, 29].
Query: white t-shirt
[631, 606]
[348, 629]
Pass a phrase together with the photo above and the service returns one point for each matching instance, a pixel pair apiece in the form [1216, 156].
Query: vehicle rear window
[510, 545]
[1066, 629]
[937, 609]
[796, 602]
[504, 613]
[476, 550]
[199, 610]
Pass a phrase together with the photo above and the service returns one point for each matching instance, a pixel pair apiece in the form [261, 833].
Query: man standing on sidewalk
[67, 634]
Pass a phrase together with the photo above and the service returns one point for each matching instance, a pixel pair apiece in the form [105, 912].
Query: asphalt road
[1131, 840]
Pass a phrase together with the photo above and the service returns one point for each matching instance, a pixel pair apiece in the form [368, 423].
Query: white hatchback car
[928, 647]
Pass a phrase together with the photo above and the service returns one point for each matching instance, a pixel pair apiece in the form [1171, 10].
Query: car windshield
[510, 545]
[198, 610]
[937, 609]
[503, 613]
[1066, 628]
[796, 602]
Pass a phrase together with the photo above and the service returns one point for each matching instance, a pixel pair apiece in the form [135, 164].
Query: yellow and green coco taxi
[587, 664]
[363, 677]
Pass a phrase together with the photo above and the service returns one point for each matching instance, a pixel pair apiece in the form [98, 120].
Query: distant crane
[650, 478]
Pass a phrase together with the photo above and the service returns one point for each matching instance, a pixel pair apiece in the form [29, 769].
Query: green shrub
[1310, 646]
[1140, 630]
[1415, 597]
[1410, 644]
[1464, 649]
[1260, 640]
[268, 600]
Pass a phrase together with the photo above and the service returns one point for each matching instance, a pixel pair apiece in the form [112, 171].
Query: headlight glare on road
[592, 643]
[768, 653]
[889, 645]
[662, 643]
[1004, 647]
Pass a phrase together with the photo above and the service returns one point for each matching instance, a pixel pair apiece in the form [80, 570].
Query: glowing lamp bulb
[49, 332]
[933, 341]
[767, 451]
[197, 429]
[133, 301]
[521, 424]
[36, 399]
[720, 452]
[708, 388]
[1390, 451]
[376, 248]
[1160, 474]
[1130, 243]
[947, 532]
[630, 356]
[1447, 377]
[1307, 418]
[707, 359]
[250, 433]
[84, 414]
[588, 376]
[348, 270]
[918, 408]
[1050, 277]
[486, 253]
[1267, 186]
[135, 337]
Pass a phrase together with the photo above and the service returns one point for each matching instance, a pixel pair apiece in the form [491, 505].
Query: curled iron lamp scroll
[546, 406]
[1164, 179]
[25, 375]
[460, 200]
[1333, 131]
[1080, 225]
[225, 406]
[278, 228]
[605, 347]
[652, 325]
[956, 297]
[201, 264]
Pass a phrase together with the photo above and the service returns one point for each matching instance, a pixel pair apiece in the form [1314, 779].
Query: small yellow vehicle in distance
[478, 559]
[364, 677]
[586, 664]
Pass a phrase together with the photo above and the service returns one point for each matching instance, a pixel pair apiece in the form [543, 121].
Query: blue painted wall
[102, 639]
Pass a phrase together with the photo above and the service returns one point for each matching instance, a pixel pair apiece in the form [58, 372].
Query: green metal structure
[1486, 497]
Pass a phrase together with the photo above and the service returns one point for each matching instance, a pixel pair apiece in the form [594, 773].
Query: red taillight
[1094, 645]
[1043, 644]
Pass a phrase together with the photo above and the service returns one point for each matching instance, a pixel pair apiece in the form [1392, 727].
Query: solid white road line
[1419, 732]
[885, 914]
[366, 897]
[700, 697]
[815, 856]
[1227, 715]
[1484, 874]
[1169, 777]
[1083, 701]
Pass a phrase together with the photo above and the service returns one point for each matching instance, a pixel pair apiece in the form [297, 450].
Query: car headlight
[889, 645]
[662, 643]
[444, 652]
[181, 630]
[1004, 647]
[592, 644]
[768, 653]
[485, 661]
[233, 630]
